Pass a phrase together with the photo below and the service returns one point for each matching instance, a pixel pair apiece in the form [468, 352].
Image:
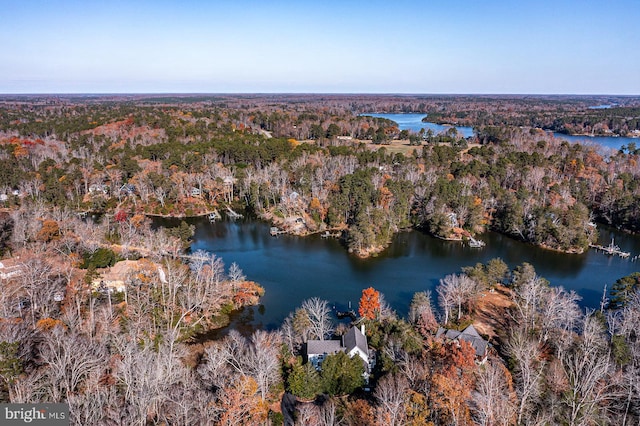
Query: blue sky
[428, 46]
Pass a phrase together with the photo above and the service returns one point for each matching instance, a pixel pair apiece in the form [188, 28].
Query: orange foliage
[360, 413]
[386, 196]
[241, 404]
[315, 204]
[46, 324]
[50, 231]
[20, 151]
[369, 303]
[452, 384]
[137, 220]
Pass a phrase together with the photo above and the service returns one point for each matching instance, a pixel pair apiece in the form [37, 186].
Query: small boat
[214, 215]
[475, 243]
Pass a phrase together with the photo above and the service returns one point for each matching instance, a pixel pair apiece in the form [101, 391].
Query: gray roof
[354, 338]
[470, 335]
[318, 347]
[471, 331]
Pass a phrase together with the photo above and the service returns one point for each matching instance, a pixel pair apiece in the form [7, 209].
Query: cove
[292, 268]
[413, 121]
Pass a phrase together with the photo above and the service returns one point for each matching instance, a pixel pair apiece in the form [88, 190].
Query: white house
[354, 342]
[10, 268]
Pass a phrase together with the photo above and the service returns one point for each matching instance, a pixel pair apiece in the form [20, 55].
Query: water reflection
[292, 269]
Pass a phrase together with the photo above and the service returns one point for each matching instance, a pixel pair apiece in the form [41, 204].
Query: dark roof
[354, 338]
[324, 346]
[470, 335]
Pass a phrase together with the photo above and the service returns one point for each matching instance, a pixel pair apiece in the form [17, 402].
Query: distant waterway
[292, 269]
[413, 121]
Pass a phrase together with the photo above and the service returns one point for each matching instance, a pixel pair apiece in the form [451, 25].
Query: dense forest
[104, 312]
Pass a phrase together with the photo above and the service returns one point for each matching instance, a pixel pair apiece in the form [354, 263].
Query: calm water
[292, 269]
[414, 122]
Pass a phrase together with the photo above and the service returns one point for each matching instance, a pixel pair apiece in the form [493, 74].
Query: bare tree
[391, 395]
[494, 402]
[528, 369]
[455, 290]
[71, 358]
[263, 360]
[235, 273]
[588, 372]
[319, 317]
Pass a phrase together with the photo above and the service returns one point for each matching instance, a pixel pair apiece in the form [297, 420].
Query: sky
[328, 46]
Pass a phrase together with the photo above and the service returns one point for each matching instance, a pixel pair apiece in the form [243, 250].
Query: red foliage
[369, 303]
[120, 216]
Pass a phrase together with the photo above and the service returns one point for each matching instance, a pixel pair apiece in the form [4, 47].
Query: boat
[475, 243]
[214, 215]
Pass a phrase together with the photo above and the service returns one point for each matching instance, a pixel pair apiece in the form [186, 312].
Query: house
[353, 343]
[97, 188]
[10, 268]
[127, 189]
[470, 335]
[195, 192]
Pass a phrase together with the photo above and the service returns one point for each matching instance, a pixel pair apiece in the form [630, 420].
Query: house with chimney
[353, 343]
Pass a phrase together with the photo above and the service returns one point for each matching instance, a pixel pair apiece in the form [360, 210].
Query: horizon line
[309, 93]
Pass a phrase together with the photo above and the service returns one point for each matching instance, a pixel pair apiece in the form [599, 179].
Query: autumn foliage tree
[453, 383]
[369, 303]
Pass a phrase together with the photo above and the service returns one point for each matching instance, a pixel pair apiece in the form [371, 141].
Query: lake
[292, 269]
[413, 121]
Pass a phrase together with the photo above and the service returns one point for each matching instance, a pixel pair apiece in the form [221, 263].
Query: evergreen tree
[623, 289]
[341, 375]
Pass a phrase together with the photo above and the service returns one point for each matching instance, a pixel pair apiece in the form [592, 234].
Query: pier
[612, 250]
[275, 231]
[232, 214]
[476, 243]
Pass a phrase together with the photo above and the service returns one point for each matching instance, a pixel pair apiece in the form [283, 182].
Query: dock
[327, 234]
[611, 250]
[232, 214]
[275, 231]
[214, 215]
[476, 243]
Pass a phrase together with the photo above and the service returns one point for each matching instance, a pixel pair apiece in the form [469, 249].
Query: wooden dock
[611, 250]
[275, 231]
[327, 234]
[232, 214]
[476, 243]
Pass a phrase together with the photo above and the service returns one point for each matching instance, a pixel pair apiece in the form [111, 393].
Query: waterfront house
[353, 343]
[470, 335]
